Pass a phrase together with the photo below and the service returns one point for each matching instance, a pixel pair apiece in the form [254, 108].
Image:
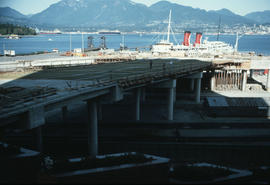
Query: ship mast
[169, 27]
[236, 42]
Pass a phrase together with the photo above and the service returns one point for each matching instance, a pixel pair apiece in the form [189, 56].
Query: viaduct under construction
[31, 91]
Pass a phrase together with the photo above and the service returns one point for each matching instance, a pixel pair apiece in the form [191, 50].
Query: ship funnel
[198, 38]
[186, 38]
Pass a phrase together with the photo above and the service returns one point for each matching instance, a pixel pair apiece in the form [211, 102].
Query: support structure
[92, 128]
[213, 81]
[191, 87]
[171, 86]
[197, 77]
[251, 71]
[99, 113]
[244, 80]
[170, 103]
[198, 90]
[268, 81]
[64, 113]
[37, 132]
[138, 104]
[174, 94]
[143, 96]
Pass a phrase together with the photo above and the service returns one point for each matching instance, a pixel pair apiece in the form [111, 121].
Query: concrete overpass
[27, 95]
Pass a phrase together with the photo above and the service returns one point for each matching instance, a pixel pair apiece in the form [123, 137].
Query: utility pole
[70, 42]
[4, 48]
[219, 27]
[82, 44]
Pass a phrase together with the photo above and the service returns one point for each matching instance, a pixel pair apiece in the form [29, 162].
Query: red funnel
[186, 38]
[198, 38]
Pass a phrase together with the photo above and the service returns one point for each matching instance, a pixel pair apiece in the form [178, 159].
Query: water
[260, 44]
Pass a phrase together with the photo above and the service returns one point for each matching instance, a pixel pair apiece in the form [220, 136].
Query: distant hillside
[123, 14]
[9, 12]
[9, 15]
[6, 29]
[94, 12]
[260, 17]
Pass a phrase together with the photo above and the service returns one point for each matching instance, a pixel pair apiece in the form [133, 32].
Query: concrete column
[213, 81]
[268, 81]
[67, 125]
[138, 104]
[191, 87]
[251, 73]
[38, 138]
[198, 90]
[244, 80]
[171, 86]
[170, 103]
[143, 95]
[64, 113]
[99, 106]
[92, 128]
[174, 94]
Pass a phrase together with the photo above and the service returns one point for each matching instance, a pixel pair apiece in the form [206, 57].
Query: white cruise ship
[187, 49]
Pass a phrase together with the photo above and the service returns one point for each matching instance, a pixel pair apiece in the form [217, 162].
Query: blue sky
[240, 7]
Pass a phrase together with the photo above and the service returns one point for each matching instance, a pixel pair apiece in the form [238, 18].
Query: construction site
[187, 109]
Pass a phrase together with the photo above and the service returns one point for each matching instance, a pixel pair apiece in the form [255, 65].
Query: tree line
[6, 29]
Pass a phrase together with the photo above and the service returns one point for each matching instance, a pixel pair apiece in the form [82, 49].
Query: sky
[241, 7]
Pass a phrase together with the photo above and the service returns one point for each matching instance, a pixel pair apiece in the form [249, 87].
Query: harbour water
[47, 42]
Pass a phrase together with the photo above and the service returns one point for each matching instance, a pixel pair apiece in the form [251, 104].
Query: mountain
[224, 11]
[124, 14]
[9, 12]
[260, 17]
[228, 16]
[187, 15]
[9, 15]
[94, 12]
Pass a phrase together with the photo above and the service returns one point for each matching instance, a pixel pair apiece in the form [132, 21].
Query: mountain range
[113, 14]
[261, 17]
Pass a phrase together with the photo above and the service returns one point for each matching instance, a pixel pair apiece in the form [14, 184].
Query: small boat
[106, 32]
[13, 36]
[49, 39]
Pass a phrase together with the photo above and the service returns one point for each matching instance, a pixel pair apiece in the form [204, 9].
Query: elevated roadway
[27, 95]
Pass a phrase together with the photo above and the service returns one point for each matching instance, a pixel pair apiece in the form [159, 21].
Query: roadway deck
[55, 87]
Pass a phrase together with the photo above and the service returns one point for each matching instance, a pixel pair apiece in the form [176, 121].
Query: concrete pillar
[35, 117]
[213, 81]
[67, 125]
[138, 104]
[64, 114]
[251, 73]
[198, 90]
[171, 86]
[38, 138]
[99, 106]
[170, 103]
[143, 95]
[92, 128]
[174, 94]
[191, 87]
[244, 80]
[268, 81]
